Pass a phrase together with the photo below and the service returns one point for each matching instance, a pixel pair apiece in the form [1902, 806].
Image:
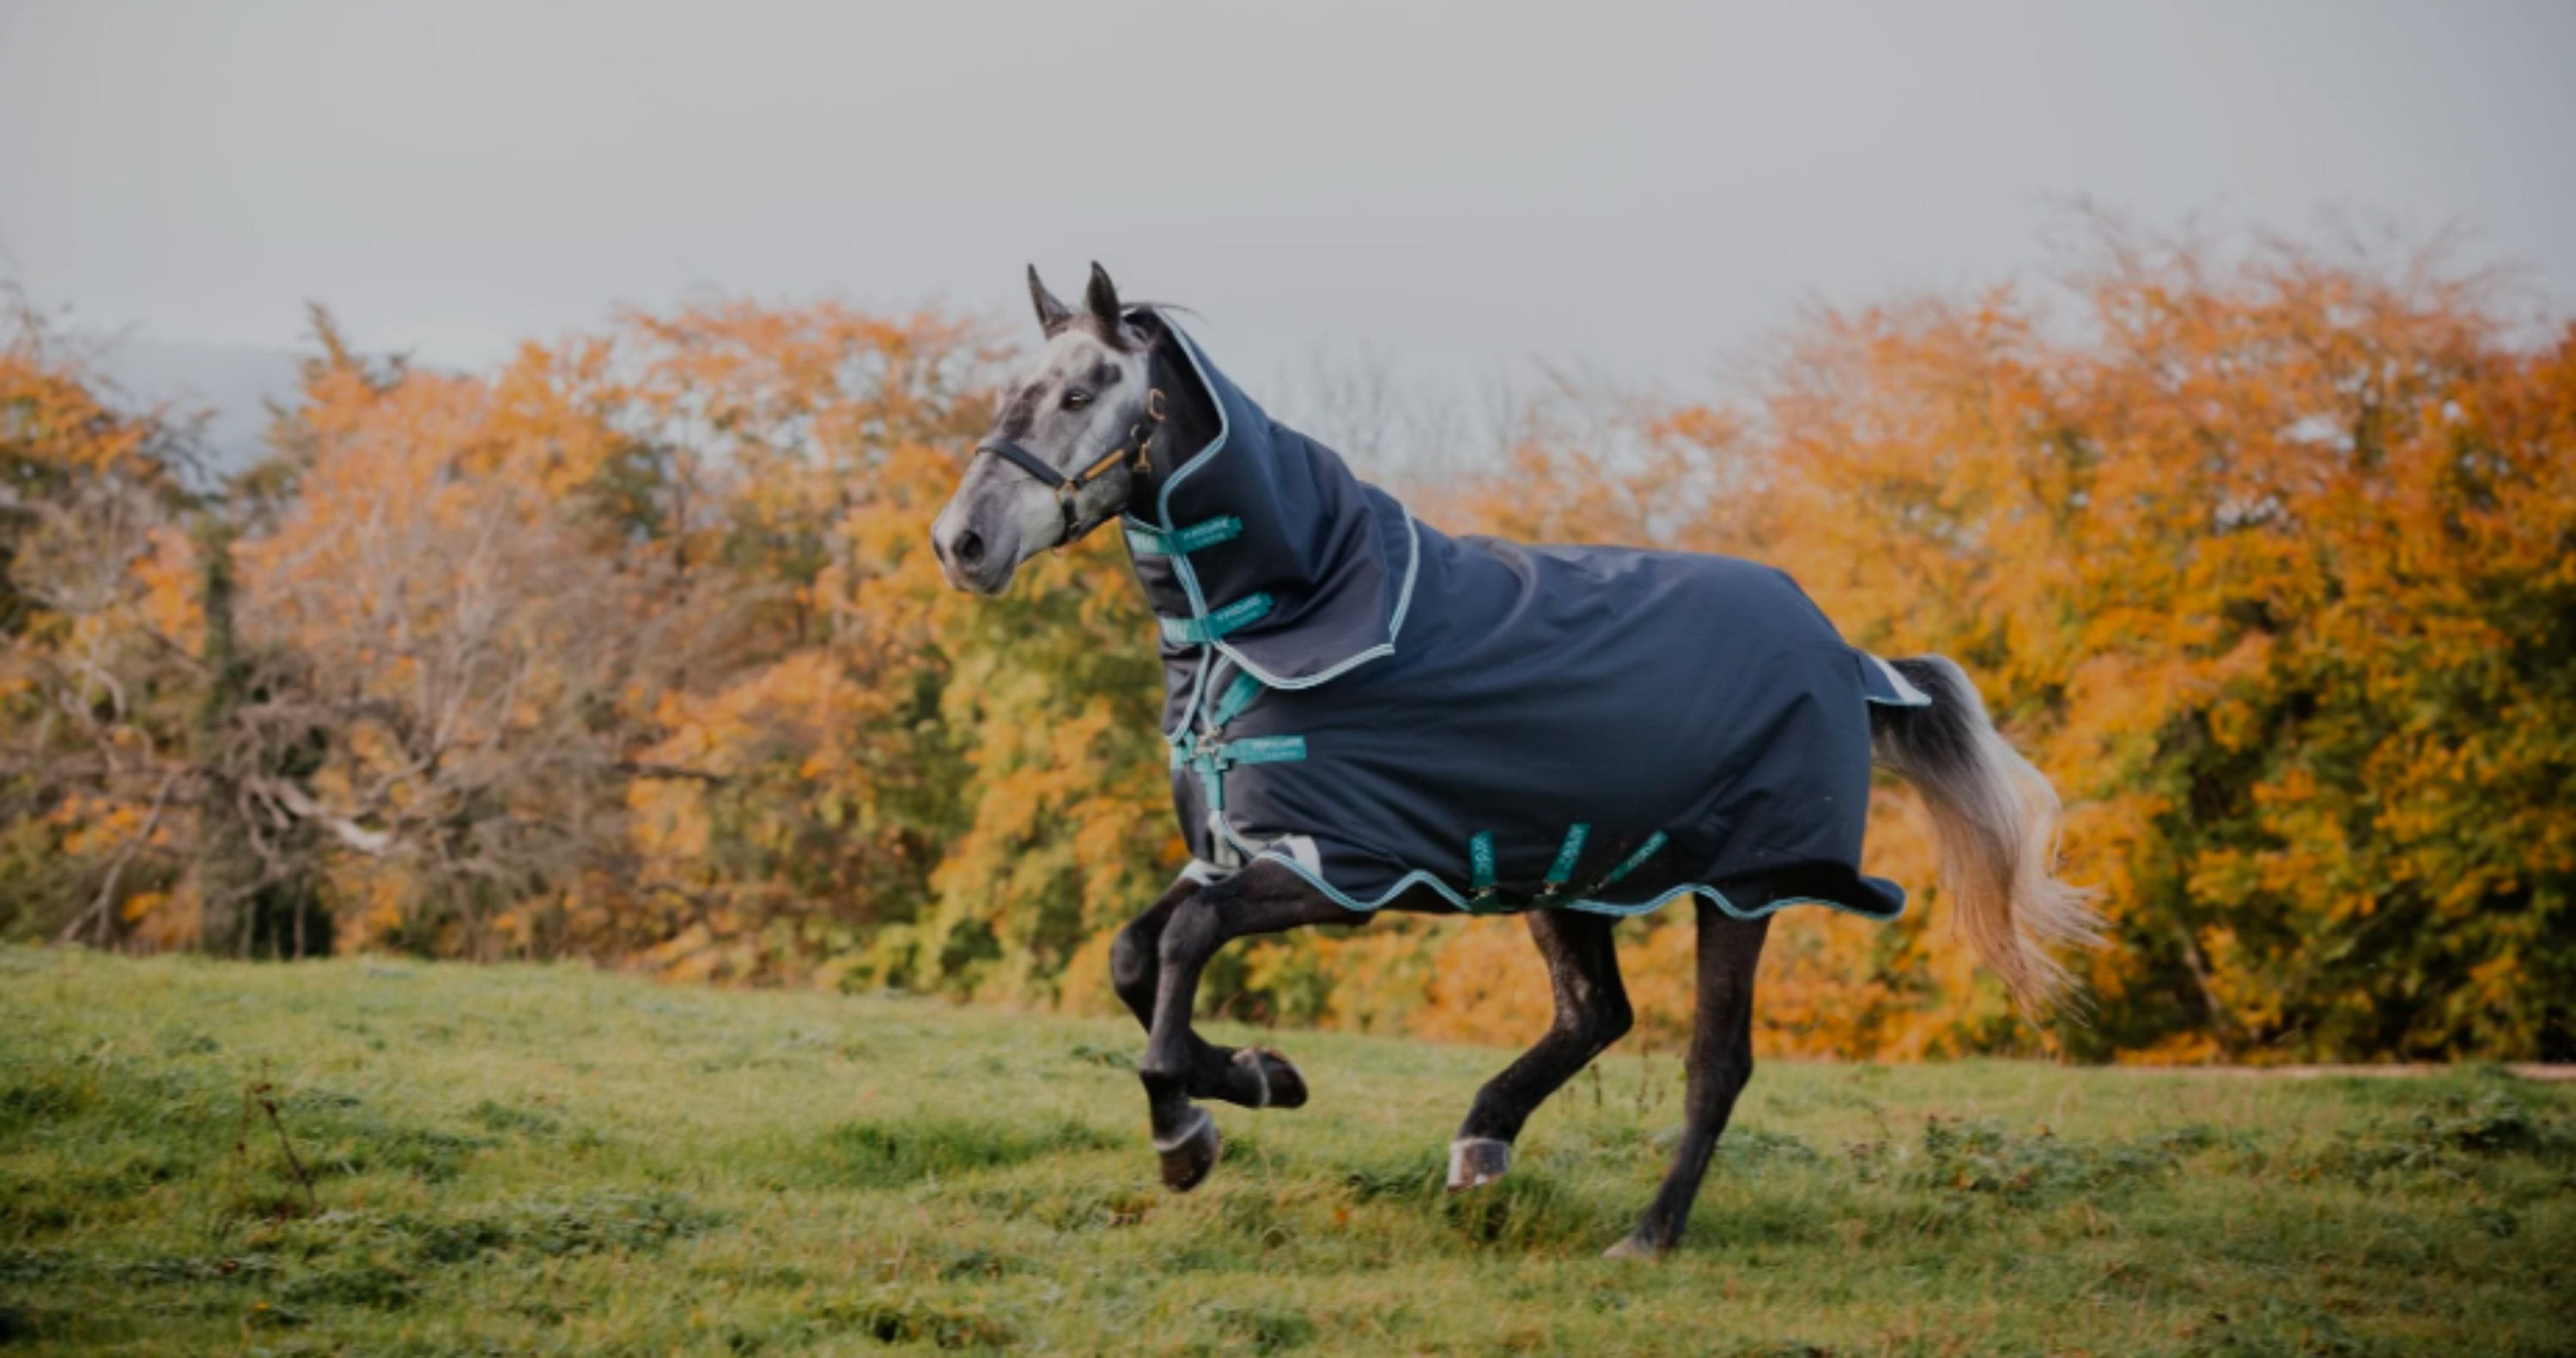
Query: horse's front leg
[1250, 1077]
[1262, 899]
[1591, 1013]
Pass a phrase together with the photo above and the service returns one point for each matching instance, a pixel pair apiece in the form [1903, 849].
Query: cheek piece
[1135, 451]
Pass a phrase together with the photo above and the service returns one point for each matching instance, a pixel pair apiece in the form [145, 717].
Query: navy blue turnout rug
[1380, 706]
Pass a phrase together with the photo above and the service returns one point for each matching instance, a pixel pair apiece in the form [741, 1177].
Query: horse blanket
[1379, 706]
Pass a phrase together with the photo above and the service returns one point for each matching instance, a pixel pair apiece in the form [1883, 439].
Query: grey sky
[1456, 185]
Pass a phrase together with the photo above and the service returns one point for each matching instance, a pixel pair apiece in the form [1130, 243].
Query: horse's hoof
[1187, 1158]
[1634, 1248]
[1276, 1082]
[1475, 1161]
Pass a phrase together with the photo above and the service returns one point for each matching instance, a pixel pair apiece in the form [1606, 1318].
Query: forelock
[1081, 347]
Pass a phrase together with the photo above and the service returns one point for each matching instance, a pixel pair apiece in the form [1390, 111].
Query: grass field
[519, 1160]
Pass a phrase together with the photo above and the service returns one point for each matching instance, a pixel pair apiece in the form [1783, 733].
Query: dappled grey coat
[1378, 705]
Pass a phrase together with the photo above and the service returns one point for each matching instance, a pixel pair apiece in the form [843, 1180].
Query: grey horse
[1367, 714]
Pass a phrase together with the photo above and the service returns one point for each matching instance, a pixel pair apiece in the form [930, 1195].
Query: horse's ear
[1052, 314]
[1102, 299]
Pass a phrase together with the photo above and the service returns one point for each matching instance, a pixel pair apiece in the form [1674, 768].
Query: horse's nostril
[969, 548]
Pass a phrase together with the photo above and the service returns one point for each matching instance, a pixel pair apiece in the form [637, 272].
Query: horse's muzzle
[968, 559]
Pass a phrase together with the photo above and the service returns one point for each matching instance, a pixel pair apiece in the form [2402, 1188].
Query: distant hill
[230, 384]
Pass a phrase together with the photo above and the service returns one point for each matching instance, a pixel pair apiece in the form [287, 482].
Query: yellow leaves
[2269, 572]
[372, 897]
[2265, 561]
[2176, 1049]
[1486, 983]
[53, 424]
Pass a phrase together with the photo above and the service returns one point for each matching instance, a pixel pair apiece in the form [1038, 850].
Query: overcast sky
[1646, 187]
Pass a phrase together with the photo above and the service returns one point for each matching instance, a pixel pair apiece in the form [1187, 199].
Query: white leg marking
[1201, 1126]
[1251, 1056]
[1475, 1161]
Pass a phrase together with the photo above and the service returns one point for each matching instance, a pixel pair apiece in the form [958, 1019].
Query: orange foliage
[634, 649]
[93, 682]
[2268, 562]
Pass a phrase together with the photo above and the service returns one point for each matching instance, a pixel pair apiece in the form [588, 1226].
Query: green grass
[526, 1160]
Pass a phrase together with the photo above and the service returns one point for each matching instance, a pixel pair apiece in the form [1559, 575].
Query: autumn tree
[632, 648]
[94, 698]
[2264, 552]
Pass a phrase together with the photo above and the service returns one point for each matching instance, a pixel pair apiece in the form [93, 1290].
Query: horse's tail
[1995, 818]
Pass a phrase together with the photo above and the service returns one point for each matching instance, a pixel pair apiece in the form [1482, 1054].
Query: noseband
[1068, 489]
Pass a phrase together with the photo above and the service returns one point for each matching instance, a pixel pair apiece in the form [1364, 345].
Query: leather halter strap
[1135, 451]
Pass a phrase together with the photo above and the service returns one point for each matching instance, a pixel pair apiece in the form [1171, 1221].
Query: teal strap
[1238, 696]
[1232, 618]
[1208, 533]
[1480, 875]
[1634, 861]
[1264, 750]
[1210, 761]
[1562, 871]
[1250, 750]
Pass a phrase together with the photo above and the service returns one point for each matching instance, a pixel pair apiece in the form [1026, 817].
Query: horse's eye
[1076, 400]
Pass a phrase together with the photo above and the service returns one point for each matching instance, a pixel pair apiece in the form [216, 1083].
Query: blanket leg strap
[1480, 875]
[1562, 870]
[1654, 844]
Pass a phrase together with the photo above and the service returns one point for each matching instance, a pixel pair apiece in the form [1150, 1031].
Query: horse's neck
[1190, 420]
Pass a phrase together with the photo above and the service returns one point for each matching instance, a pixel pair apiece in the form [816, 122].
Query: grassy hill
[522, 1160]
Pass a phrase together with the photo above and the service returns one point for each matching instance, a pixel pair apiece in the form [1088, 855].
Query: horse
[1366, 714]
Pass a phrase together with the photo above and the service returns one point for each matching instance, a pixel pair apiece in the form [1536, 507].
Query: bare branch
[101, 906]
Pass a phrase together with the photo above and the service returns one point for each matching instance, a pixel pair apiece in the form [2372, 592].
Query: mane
[1154, 311]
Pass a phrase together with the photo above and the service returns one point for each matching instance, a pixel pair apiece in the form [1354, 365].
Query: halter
[1068, 489]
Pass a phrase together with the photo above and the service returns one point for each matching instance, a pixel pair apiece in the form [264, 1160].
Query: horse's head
[1067, 451]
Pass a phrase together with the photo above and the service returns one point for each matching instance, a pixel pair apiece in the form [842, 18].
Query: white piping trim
[1417, 877]
[1412, 567]
[1189, 579]
[1907, 695]
[1211, 679]
[1224, 427]
[1199, 1123]
[1301, 848]
[1190, 715]
[1245, 847]
[1395, 627]
[1190, 709]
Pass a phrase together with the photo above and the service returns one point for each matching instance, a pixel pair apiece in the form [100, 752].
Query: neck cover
[1383, 708]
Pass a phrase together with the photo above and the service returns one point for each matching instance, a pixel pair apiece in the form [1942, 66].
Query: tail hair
[1995, 821]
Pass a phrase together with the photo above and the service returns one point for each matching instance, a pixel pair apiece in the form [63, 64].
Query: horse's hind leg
[1262, 899]
[1591, 1013]
[1721, 1061]
[1251, 1077]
